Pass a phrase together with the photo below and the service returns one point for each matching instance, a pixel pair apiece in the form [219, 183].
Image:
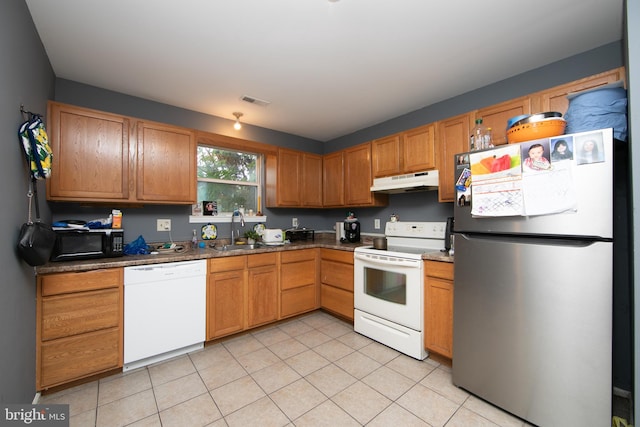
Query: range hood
[417, 181]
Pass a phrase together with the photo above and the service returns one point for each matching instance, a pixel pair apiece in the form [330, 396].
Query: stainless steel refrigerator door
[593, 185]
[533, 328]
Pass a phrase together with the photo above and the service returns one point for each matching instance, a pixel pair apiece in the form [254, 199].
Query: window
[229, 178]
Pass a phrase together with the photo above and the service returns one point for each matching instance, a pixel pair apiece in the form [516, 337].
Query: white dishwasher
[164, 311]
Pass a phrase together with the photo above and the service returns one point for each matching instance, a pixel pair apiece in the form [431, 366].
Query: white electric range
[389, 285]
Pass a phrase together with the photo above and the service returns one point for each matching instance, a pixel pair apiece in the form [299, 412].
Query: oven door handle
[408, 263]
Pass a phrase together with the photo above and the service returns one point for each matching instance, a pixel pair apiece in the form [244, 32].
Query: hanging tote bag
[36, 238]
[36, 147]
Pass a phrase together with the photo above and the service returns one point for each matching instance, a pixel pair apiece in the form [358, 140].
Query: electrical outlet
[376, 223]
[163, 225]
[294, 222]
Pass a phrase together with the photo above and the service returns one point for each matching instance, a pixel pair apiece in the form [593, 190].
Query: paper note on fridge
[503, 184]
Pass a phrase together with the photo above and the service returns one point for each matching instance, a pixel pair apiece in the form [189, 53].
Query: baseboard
[36, 398]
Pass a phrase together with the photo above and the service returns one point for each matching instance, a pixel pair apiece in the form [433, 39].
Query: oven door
[390, 288]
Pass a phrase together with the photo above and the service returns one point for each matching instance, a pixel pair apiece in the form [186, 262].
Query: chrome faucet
[233, 215]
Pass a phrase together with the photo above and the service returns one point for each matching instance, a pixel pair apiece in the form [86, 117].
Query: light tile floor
[309, 371]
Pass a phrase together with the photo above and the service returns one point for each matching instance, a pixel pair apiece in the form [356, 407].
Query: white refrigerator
[533, 278]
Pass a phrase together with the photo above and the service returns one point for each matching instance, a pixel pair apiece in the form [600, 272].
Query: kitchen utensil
[380, 243]
[544, 128]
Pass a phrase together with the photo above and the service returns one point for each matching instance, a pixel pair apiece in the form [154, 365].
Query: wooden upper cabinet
[358, 179]
[294, 179]
[102, 157]
[406, 152]
[419, 149]
[333, 180]
[555, 99]
[91, 155]
[311, 194]
[453, 138]
[288, 173]
[166, 169]
[497, 116]
[385, 156]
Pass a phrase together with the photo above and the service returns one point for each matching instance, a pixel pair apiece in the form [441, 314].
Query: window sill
[205, 219]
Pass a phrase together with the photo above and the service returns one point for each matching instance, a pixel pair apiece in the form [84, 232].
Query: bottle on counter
[194, 240]
[480, 137]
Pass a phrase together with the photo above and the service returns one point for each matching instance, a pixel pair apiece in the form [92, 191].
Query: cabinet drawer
[258, 260]
[227, 263]
[337, 300]
[337, 274]
[298, 300]
[297, 274]
[299, 255]
[336, 255]
[76, 357]
[443, 270]
[73, 314]
[53, 284]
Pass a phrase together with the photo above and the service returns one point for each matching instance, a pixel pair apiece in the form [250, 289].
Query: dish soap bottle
[194, 240]
[480, 137]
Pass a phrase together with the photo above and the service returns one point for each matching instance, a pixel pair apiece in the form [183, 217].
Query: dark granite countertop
[322, 240]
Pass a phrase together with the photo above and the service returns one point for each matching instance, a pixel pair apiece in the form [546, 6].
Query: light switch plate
[376, 223]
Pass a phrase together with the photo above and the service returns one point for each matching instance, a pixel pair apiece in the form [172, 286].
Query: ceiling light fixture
[237, 125]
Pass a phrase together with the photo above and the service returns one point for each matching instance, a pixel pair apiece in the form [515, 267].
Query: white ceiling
[328, 68]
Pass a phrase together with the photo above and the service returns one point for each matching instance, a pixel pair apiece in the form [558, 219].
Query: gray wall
[633, 74]
[26, 78]
[417, 206]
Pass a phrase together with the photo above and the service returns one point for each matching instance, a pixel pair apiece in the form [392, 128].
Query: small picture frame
[196, 209]
[209, 207]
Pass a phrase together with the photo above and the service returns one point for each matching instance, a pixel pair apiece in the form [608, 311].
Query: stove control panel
[423, 230]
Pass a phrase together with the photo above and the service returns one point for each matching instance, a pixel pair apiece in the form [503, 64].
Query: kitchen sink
[236, 247]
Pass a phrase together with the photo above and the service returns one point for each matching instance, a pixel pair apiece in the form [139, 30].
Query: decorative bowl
[544, 128]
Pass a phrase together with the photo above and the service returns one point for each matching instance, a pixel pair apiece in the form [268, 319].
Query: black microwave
[73, 244]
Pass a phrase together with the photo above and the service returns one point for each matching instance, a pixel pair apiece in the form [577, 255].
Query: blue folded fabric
[599, 108]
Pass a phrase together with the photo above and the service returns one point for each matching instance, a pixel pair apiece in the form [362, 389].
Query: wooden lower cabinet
[438, 308]
[298, 282]
[226, 294]
[262, 289]
[336, 282]
[242, 292]
[79, 329]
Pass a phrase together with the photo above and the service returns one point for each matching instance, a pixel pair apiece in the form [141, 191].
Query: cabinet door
[288, 176]
[438, 307]
[438, 312]
[419, 149]
[226, 303]
[357, 178]
[453, 138]
[311, 195]
[555, 99]
[385, 156]
[91, 155]
[262, 304]
[333, 180]
[166, 164]
[497, 116]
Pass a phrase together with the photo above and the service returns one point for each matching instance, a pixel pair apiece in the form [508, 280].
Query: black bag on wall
[36, 242]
